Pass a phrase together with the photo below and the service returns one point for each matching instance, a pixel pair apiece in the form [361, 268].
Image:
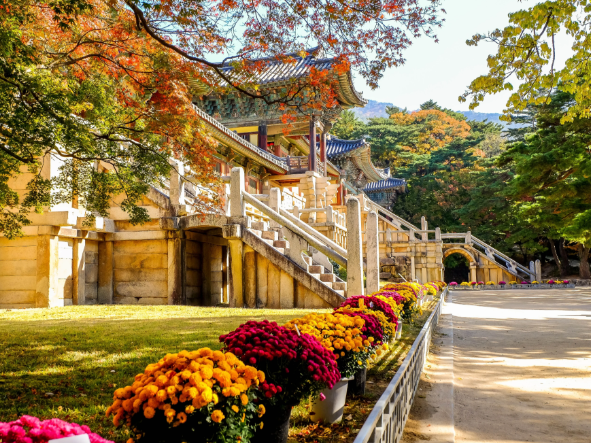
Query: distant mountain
[378, 109]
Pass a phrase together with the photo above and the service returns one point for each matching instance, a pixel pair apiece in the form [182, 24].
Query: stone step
[307, 259]
[260, 225]
[328, 278]
[329, 284]
[316, 276]
[282, 250]
[270, 235]
[342, 293]
[315, 269]
[281, 244]
[339, 286]
[269, 242]
[256, 232]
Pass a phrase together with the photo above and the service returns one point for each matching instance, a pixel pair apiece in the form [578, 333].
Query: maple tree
[526, 53]
[112, 81]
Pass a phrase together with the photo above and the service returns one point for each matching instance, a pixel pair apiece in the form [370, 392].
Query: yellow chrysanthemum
[217, 416]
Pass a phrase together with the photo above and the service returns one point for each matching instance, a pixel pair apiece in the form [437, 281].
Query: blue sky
[441, 71]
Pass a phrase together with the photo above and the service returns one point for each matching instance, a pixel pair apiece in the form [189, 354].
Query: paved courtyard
[508, 366]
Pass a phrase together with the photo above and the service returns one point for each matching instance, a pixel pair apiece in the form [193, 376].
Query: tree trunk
[564, 264]
[554, 254]
[583, 253]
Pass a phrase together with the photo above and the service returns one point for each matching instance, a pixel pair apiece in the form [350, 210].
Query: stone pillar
[79, 272]
[233, 233]
[538, 267]
[250, 277]
[373, 253]
[105, 272]
[424, 227]
[46, 289]
[469, 239]
[413, 269]
[473, 273]
[275, 204]
[237, 207]
[177, 186]
[354, 248]
[225, 279]
[175, 286]
[312, 155]
[532, 270]
[438, 234]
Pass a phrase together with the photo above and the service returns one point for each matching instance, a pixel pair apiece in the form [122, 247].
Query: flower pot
[275, 425]
[357, 385]
[330, 410]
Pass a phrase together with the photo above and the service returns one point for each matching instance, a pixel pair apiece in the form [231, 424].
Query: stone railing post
[354, 248]
[538, 267]
[532, 270]
[275, 204]
[373, 253]
[176, 184]
[424, 227]
[468, 237]
[438, 234]
[329, 214]
[237, 207]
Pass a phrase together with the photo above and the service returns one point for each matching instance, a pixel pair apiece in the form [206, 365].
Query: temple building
[288, 220]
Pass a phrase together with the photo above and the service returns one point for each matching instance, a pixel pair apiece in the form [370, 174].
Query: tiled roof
[336, 146]
[388, 183]
[278, 71]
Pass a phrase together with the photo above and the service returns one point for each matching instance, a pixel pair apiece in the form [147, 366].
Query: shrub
[196, 396]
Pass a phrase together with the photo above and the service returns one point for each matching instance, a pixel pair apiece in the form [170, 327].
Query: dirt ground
[507, 366]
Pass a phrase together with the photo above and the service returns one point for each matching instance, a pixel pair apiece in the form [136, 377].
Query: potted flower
[502, 284]
[535, 284]
[490, 285]
[341, 334]
[464, 285]
[296, 366]
[513, 284]
[202, 395]
[568, 284]
[453, 284]
[29, 429]
[473, 284]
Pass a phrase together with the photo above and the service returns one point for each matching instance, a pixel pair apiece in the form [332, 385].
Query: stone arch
[468, 255]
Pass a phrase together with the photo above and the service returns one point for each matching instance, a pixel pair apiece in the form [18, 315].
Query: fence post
[373, 253]
[354, 251]
[538, 267]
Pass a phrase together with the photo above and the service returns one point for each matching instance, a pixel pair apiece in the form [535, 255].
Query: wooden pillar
[277, 149]
[105, 272]
[79, 272]
[323, 152]
[263, 135]
[312, 135]
[341, 194]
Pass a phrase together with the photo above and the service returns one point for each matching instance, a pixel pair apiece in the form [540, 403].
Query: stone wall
[91, 272]
[18, 272]
[194, 267]
[140, 272]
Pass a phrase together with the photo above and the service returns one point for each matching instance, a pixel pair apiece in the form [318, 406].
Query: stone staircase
[274, 238]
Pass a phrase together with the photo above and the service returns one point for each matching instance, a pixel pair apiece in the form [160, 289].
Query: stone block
[144, 275]
[91, 273]
[385, 275]
[194, 262]
[23, 241]
[143, 261]
[64, 288]
[17, 297]
[18, 253]
[64, 268]
[193, 277]
[22, 268]
[273, 285]
[90, 291]
[141, 247]
[90, 257]
[137, 289]
[18, 283]
[387, 262]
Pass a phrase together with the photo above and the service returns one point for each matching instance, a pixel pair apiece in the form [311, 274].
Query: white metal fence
[386, 421]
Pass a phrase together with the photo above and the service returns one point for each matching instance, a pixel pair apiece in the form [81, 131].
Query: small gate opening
[457, 268]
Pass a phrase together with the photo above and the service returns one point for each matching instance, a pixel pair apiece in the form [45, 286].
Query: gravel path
[508, 366]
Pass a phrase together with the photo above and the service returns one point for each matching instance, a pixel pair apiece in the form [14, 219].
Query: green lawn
[66, 362]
